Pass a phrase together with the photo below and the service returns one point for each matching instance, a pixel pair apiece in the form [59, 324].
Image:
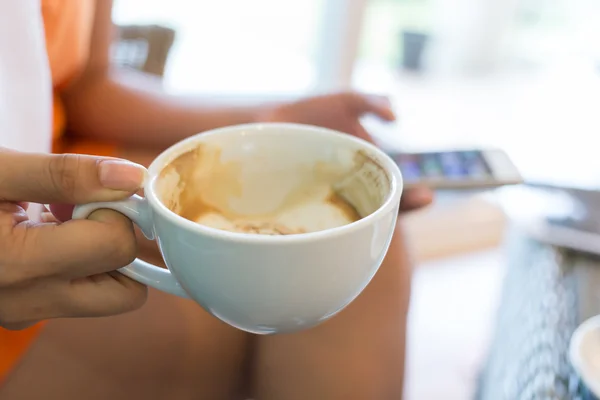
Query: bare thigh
[169, 349]
[357, 355]
[172, 349]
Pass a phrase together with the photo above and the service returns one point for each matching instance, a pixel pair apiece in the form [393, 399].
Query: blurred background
[489, 70]
[523, 75]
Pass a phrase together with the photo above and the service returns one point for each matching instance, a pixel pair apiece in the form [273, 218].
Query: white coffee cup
[268, 283]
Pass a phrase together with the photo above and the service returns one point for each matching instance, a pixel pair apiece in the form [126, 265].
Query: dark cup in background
[414, 44]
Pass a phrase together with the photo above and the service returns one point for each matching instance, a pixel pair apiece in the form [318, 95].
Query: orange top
[68, 26]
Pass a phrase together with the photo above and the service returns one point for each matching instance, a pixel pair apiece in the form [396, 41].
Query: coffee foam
[321, 209]
[203, 187]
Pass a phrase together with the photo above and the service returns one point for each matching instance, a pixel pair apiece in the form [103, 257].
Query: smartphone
[458, 169]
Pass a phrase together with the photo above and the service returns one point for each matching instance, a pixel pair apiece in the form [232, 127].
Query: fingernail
[391, 116]
[121, 175]
[47, 217]
[386, 106]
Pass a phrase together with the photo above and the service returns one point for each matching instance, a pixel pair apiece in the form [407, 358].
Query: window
[236, 47]
[381, 48]
[552, 31]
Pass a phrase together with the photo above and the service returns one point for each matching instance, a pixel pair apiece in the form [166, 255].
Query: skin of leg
[357, 355]
[173, 349]
[364, 344]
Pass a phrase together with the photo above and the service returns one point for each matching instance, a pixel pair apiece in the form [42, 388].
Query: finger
[102, 243]
[361, 132]
[11, 214]
[101, 295]
[24, 306]
[416, 198]
[371, 104]
[48, 218]
[66, 178]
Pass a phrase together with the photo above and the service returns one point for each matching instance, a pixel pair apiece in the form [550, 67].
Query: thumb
[66, 178]
[415, 198]
[373, 104]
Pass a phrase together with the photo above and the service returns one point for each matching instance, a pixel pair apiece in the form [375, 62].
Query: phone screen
[448, 165]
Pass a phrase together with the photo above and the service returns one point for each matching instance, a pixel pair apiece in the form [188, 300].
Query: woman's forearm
[131, 108]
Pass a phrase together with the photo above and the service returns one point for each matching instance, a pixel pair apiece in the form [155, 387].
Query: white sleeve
[25, 85]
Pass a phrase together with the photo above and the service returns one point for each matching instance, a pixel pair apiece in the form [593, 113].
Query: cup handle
[136, 208]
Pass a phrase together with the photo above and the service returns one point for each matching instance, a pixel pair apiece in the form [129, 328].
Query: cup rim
[591, 382]
[396, 185]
